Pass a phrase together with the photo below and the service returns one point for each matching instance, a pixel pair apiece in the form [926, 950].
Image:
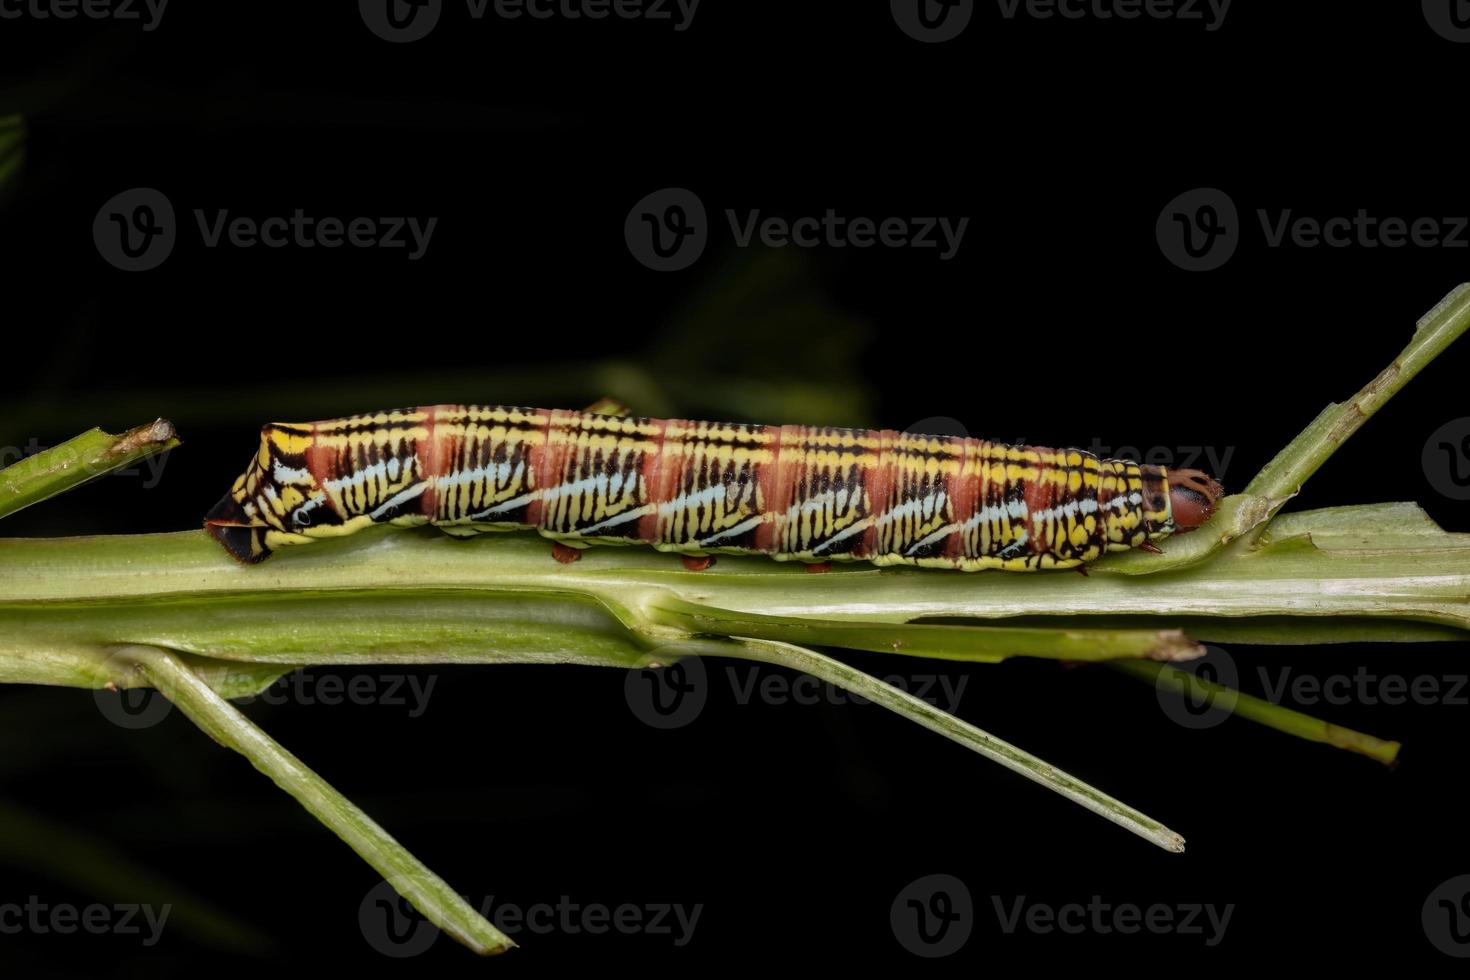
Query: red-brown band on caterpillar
[791, 492]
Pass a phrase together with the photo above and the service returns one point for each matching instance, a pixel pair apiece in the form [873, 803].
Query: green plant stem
[1304, 455]
[195, 624]
[86, 457]
[1385, 563]
[915, 709]
[1259, 710]
[1247, 513]
[428, 892]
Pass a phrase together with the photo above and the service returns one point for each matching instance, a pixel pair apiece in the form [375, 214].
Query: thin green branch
[198, 626]
[957, 730]
[1395, 566]
[1304, 455]
[86, 457]
[429, 893]
[1224, 698]
[1282, 478]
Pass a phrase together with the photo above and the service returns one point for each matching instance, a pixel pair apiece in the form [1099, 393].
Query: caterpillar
[792, 492]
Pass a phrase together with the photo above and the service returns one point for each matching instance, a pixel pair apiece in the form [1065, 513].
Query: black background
[1059, 321]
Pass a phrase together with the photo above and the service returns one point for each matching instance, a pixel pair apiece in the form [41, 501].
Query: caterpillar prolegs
[792, 492]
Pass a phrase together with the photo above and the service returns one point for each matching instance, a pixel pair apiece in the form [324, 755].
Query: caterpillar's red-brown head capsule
[1193, 495]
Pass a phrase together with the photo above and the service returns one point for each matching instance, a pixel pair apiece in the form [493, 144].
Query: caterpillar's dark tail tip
[227, 524]
[1193, 495]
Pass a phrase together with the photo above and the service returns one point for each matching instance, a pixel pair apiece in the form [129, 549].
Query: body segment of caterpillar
[790, 492]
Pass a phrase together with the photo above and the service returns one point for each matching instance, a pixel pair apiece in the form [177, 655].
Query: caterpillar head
[1193, 495]
[278, 500]
[1175, 501]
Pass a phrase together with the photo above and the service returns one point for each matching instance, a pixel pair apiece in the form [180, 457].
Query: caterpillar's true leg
[565, 553]
[1151, 548]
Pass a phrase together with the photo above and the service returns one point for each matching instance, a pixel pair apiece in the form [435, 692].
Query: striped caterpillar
[810, 494]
